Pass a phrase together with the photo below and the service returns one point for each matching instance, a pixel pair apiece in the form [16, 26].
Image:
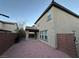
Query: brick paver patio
[33, 49]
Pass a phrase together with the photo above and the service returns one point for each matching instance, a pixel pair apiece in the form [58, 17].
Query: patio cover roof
[31, 29]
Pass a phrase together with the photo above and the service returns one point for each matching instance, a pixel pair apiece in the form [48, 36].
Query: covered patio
[32, 32]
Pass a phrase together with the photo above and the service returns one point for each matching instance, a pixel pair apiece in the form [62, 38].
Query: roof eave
[65, 9]
[44, 12]
[58, 6]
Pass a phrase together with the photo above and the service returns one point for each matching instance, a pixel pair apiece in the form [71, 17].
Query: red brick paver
[33, 49]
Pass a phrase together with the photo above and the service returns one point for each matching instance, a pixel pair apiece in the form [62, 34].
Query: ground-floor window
[43, 35]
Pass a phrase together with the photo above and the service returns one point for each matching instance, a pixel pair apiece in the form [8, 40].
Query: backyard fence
[7, 39]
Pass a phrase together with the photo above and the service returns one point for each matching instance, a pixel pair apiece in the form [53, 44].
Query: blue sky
[28, 11]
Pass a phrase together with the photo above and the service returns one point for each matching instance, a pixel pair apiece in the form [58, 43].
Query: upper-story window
[49, 16]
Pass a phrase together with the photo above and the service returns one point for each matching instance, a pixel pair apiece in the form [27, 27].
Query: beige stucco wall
[43, 24]
[10, 27]
[62, 22]
[66, 23]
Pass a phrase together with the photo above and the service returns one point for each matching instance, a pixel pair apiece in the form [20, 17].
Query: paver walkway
[33, 49]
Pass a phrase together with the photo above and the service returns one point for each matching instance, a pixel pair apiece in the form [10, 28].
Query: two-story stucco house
[8, 26]
[55, 20]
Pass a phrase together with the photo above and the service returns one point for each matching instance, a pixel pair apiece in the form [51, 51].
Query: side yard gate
[66, 43]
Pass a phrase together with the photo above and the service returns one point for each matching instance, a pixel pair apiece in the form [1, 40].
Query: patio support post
[27, 35]
[38, 36]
